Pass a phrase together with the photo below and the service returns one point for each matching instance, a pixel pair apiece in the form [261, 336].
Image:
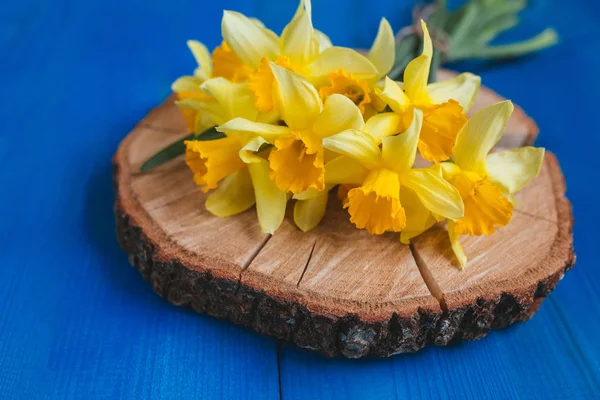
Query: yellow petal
[336, 58]
[462, 88]
[437, 195]
[324, 41]
[381, 125]
[294, 167]
[383, 50]
[245, 127]
[188, 84]
[248, 152]
[399, 151]
[418, 217]
[212, 160]
[394, 96]
[298, 100]
[234, 195]
[308, 213]
[345, 170]
[234, 99]
[227, 65]
[310, 193]
[339, 113]
[477, 137]
[486, 207]
[513, 169]
[416, 73]
[375, 205]
[298, 40]
[356, 144]
[357, 90]
[456, 246]
[441, 124]
[248, 40]
[270, 201]
[202, 56]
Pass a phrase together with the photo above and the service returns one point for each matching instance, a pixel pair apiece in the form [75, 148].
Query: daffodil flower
[485, 181]
[383, 176]
[300, 49]
[363, 92]
[297, 161]
[230, 165]
[444, 104]
[188, 87]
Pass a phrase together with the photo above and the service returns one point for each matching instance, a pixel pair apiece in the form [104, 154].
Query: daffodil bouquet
[292, 117]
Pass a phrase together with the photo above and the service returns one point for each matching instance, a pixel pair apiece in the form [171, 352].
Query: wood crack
[247, 263]
[535, 216]
[427, 276]
[307, 262]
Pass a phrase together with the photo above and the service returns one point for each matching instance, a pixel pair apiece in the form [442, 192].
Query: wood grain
[335, 289]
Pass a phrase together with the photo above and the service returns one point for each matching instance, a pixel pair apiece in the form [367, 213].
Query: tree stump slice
[337, 289]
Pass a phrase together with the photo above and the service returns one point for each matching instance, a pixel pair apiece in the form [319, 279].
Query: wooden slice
[336, 289]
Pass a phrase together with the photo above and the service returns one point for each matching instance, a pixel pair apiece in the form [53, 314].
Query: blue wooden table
[76, 321]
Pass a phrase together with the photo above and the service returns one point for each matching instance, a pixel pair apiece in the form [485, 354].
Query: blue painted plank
[76, 321]
[556, 354]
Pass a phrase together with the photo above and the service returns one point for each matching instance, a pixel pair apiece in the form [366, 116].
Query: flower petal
[437, 195]
[477, 137]
[383, 50]
[513, 169]
[394, 96]
[336, 58]
[381, 125]
[462, 88]
[418, 217]
[247, 39]
[243, 126]
[233, 196]
[308, 213]
[339, 113]
[324, 41]
[202, 56]
[456, 246]
[270, 201]
[344, 170]
[416, 73]
[187, 84]
[248, 152]
[234, 99]
[356, 144]
[299, 101]
[399, 151]
[298, 40]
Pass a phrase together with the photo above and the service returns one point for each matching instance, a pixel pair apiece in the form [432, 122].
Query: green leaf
[544, 39]
[177, 148]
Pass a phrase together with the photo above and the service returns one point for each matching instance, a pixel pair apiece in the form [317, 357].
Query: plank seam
[536, 216]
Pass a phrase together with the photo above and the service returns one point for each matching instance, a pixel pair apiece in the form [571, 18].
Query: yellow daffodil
[444, 104]
[188, 87]
[297, 161]
[230, 165]
[300, 49]
[384, 175]
[363, 92]
[487, 182]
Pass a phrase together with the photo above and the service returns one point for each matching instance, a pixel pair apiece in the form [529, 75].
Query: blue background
[76, 321]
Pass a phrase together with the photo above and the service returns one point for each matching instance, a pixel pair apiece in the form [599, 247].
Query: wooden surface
[336, 289]
[77, 322]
